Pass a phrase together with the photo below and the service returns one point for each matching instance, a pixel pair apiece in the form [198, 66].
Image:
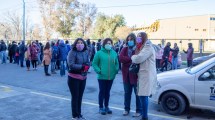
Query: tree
[46, 10]
[14, 22]
[106, 26]
[87, 14]
[122, 32]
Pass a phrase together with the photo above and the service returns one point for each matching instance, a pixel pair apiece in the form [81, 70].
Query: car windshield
[199, 67]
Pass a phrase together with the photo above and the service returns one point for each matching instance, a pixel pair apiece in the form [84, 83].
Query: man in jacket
[189, 53]
[165, 56]
[22, 50]
[3, 49]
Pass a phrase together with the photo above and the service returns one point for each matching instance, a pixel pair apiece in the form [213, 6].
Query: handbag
[134, 68]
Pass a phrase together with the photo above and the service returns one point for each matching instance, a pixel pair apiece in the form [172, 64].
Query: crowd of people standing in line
[106, 59]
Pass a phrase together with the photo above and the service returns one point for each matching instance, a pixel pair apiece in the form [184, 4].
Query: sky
[146, 13]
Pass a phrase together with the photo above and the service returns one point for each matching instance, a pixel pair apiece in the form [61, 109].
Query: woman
[145, 56]
[78, 62]
[47, 58]
[159, 55]
[106, 65]
[129, 79]
[28, 57]
[34, 55]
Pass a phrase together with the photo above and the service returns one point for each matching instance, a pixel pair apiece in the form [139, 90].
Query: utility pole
[23, 22]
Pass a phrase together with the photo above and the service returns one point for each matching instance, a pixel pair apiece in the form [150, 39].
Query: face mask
[108, 47]
[131, 43]
[139, 39]
[80, 47]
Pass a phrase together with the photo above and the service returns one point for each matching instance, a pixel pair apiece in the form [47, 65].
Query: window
[212, 18]
[204, 30]
[209, 75]
[196, 29]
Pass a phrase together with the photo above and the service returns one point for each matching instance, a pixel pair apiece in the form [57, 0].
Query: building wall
[192, 27]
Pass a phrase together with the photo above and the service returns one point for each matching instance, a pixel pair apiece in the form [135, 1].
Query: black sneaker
[108, 111]
[102, 111]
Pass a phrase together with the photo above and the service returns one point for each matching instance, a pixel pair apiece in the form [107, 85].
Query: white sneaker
[76, 118]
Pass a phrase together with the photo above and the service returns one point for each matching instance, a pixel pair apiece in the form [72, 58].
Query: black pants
[11, 58]
[28, 63]
[189, 63]
[104, 92]
[34, 63]
[165, 64]
[46, 69]
[158, 63]
[76, 88]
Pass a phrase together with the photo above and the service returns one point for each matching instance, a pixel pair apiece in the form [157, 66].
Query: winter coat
[147, 75]
[47, 56]
[189, 53]
[62, 52]
[34, 52]
[22, 49]
[27, 54]
[3, 47]
[175, 52]
[159, 54]
[126, 62]
[166, 52]
[76, 59]
[106, 65]
[55, 53]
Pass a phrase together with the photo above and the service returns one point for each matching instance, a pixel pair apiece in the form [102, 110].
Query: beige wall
[185, 28]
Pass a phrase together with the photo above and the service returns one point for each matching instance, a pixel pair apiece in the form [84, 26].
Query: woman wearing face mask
[129, 79]
[145, 56]
[106, 65]
[78, 62]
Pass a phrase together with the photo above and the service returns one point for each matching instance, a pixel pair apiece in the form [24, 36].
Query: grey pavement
[30, 95]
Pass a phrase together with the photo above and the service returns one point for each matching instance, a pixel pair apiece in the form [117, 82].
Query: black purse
[134, 68]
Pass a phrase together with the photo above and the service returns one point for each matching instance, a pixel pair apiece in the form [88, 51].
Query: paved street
[30, 95]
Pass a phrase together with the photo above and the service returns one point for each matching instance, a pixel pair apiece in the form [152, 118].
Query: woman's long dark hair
[133, 37]
[76, 42]
[47, 46]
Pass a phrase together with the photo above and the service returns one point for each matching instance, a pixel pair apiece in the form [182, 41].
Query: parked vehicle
[190, 87]
[199, 60]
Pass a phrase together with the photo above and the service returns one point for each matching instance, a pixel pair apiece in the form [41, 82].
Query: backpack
[55, 52]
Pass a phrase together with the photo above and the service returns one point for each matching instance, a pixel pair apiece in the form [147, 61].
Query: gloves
[85, 68]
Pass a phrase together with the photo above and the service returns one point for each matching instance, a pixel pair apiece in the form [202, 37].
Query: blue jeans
[53, 64]
[144, 106]
[128, 88]
[3, 57]
[174, 63]
[21, 59]
[62, 68]
[38, 57]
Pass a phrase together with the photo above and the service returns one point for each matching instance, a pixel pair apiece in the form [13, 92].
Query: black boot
[46, 67]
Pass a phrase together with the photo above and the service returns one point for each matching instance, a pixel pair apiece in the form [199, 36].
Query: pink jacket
[159, 54]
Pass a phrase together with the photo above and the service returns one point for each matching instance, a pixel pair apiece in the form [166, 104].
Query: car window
[199, 67]
[209, 75]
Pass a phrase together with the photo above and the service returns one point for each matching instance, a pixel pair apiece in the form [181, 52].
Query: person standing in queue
[105, 64]
[129, 79]
[78, 63]
[47, 58]
[147, 75]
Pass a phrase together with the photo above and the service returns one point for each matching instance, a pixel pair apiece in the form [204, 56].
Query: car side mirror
[205, 76]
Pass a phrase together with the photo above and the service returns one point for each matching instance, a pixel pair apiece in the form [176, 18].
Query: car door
[205, 87]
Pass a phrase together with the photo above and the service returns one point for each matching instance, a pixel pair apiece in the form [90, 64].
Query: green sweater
[106, 65]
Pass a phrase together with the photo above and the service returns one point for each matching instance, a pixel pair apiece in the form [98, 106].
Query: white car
[191, 87]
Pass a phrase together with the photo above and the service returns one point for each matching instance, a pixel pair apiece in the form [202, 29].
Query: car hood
[172, 73]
